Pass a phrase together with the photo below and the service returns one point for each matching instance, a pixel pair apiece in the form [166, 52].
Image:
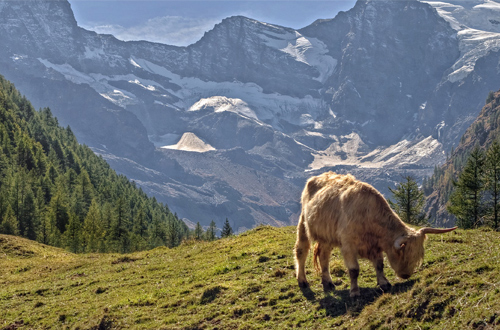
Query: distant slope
[58, 192]
[482, 132]
[246, 281]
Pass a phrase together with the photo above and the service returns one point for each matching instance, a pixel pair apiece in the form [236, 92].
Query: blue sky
[184, 22]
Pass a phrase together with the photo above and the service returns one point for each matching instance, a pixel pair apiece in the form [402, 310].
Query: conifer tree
[465, 202]
[59, 210]
[28, 216]
[226, 230]
[156, 233]
[172, 232]
[210, 233]
[493, 181]
[93, 231]
[408, 201]
[9, 223]
[43, 230]
[198, 231]
[71, 237]
[119, 232]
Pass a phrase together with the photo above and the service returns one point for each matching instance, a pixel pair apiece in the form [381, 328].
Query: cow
[340, 211]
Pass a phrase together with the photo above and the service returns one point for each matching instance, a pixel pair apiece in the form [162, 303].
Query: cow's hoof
[355, 293]
[386, 287]
[303, 284]
[328, 286]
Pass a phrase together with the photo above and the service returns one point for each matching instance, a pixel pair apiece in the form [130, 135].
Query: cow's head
[408, 251]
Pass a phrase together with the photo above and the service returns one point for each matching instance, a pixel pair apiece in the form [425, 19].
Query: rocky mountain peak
[44, 25]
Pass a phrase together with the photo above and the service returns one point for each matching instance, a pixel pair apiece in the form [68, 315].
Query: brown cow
[338, 210]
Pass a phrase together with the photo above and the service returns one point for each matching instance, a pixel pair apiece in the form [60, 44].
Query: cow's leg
[324, 261]
[382, 281]
[302, 247]
[351, 262]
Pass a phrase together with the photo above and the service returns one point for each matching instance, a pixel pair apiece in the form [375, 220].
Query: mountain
[245, 282]
[379, 91]
[482, 132]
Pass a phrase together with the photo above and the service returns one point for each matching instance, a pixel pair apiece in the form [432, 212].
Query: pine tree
[118, 231]
[409, 201]
[9, 223]
[493, 181]
[28, 216]
[71, 237]
[226, 230]
[465, 202]
[210, 233]
[198, 231]
[156, 233]
[93, 231]
[172, 232]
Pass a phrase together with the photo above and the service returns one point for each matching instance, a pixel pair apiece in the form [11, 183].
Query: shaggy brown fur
[340, 211]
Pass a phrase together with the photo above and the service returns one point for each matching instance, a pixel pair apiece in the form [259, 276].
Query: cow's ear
[400, 242]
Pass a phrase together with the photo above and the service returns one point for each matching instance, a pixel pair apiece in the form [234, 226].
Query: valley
[234, 124]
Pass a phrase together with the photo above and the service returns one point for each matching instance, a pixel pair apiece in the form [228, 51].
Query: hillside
[58, 192]
[482, 132]
[244, 282]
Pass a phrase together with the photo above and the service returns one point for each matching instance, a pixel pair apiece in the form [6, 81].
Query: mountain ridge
[363, 92]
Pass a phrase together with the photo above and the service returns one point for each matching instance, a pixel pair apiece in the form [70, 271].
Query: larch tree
[493, 182]
[466, 200]
[226, 230]
[408, 201]
[198, 231]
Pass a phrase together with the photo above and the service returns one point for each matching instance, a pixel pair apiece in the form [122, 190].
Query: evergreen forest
[58, 192]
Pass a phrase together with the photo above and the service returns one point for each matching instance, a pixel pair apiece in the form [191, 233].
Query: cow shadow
[338, 302]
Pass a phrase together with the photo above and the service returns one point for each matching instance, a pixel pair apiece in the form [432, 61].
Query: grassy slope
[244, 282]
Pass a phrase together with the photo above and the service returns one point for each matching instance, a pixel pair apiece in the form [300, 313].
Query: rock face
[233, 125]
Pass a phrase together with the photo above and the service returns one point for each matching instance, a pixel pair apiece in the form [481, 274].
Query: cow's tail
[317, 251]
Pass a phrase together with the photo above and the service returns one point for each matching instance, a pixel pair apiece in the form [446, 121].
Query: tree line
[474, 198]
[211, 233]
[58, 192]
[476, 195]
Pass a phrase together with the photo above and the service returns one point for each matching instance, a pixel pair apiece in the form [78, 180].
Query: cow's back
[337, 207]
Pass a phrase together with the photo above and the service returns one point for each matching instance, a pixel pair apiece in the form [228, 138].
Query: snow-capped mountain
[232, 125]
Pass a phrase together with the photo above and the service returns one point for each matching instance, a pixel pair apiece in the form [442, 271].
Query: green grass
[244, 282]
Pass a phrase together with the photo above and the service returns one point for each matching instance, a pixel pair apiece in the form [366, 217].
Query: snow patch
[222, 103]
[94, 53]
[17, 57]
[134, 63]
[148, 87]
[310, 51]
[100, 83]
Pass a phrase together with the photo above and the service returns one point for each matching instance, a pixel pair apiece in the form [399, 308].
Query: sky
[182, 23]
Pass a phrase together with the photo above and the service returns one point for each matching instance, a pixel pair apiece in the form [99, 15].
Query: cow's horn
[399, 242]
[428, 230]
